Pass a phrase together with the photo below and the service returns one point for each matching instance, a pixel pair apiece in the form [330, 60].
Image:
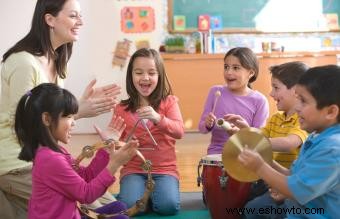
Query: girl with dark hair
[40, 57]
[234, 97]
[45, 117]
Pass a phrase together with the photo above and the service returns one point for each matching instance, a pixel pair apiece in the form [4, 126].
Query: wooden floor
[189, 150]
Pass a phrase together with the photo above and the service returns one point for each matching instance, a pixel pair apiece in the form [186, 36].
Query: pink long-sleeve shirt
[56, 185]
[169, 128]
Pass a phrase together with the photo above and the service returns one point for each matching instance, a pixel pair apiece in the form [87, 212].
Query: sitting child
[312, 185]
[282, 129]
[45, 117]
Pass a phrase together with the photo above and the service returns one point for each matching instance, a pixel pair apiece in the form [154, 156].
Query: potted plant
[175, 44]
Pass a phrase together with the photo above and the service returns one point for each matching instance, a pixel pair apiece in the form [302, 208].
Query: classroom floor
[190, 149]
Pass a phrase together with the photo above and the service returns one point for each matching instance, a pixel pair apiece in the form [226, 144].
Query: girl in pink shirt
[45, 116]
[151, 104]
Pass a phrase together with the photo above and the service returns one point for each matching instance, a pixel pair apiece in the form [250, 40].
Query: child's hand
[210, 120]
[276, 195]
[122, 155]
[96, 101]
[114, 130]
[148, 112]
[234, 129]
[237, 120]
[251, 159]
[116, 127]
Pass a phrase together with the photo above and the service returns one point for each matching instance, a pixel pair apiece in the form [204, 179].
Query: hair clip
[28, 94]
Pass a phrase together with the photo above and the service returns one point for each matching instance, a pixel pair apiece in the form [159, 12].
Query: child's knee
[166, 207]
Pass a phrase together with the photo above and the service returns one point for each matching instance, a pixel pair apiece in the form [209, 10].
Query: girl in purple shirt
[45, 116]
[234, 97]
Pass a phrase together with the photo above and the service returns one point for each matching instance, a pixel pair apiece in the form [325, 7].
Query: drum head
[232, 148]
[212, 159]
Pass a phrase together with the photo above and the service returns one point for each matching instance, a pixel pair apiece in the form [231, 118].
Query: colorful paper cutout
[137, 19]
[203, 22]
[179, 22]
[216, 22]
[142, 44]
[121, 53]
[332, 21]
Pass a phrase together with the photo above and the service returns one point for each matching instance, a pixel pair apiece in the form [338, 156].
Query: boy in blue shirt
[312, 185]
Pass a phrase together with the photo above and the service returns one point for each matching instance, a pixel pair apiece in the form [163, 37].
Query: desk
[192, 75]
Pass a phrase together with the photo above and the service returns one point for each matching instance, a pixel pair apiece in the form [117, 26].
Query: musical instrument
[254, 139]
[140, 205]
[226, 182]
[221, 123]
[217, 95]
[88, 151]
[220, 191]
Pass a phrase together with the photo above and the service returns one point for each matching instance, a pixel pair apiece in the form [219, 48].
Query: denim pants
[165, 197]
[267, 204]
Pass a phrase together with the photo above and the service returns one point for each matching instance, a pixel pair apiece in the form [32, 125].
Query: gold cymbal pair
[255, 140]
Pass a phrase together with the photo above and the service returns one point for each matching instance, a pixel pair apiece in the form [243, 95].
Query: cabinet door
[192, 75]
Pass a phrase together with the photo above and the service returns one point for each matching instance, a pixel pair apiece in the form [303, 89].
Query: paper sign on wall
[216, 22]
[137, 19]
[179, 22]
[121, 53]
[332, 21]
[203, 22]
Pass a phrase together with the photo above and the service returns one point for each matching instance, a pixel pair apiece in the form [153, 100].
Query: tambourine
[140, 205]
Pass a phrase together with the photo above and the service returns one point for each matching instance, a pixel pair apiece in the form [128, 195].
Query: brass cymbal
[254, 139]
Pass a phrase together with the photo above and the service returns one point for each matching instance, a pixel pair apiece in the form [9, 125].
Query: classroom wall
[92, 54]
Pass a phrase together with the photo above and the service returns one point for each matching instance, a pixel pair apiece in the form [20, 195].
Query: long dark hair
[38, 42]
[29, 127]
[247, 59]
[163, 88]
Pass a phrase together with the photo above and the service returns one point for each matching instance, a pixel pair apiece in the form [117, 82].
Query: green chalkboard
[235, 14]
[331, 6]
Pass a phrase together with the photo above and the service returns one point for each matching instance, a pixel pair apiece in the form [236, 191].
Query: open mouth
[231, 80]
[75, 31]
[145, 87]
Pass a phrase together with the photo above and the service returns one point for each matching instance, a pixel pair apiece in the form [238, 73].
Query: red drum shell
[218, 199]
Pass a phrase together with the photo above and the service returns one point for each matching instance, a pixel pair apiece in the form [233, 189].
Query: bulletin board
[237, 15]
[137, 19]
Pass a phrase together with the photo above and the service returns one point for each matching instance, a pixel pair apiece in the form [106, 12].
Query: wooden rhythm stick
[141, 204]
[217, 95]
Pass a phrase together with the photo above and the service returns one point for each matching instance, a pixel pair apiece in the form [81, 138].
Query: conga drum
[222, 194]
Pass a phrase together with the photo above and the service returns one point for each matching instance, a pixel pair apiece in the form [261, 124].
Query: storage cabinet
[192, 75]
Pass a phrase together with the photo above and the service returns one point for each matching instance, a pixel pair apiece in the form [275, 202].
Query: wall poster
[137, 19]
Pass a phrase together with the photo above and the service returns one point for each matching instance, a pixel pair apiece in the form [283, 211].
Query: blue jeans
[165, 197]
[270, 209]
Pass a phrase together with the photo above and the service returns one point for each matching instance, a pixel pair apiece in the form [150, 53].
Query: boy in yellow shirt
[282, 129]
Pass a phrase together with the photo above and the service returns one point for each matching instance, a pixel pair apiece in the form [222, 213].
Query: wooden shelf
[197, 56]
[248, 31]
[192, 75]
